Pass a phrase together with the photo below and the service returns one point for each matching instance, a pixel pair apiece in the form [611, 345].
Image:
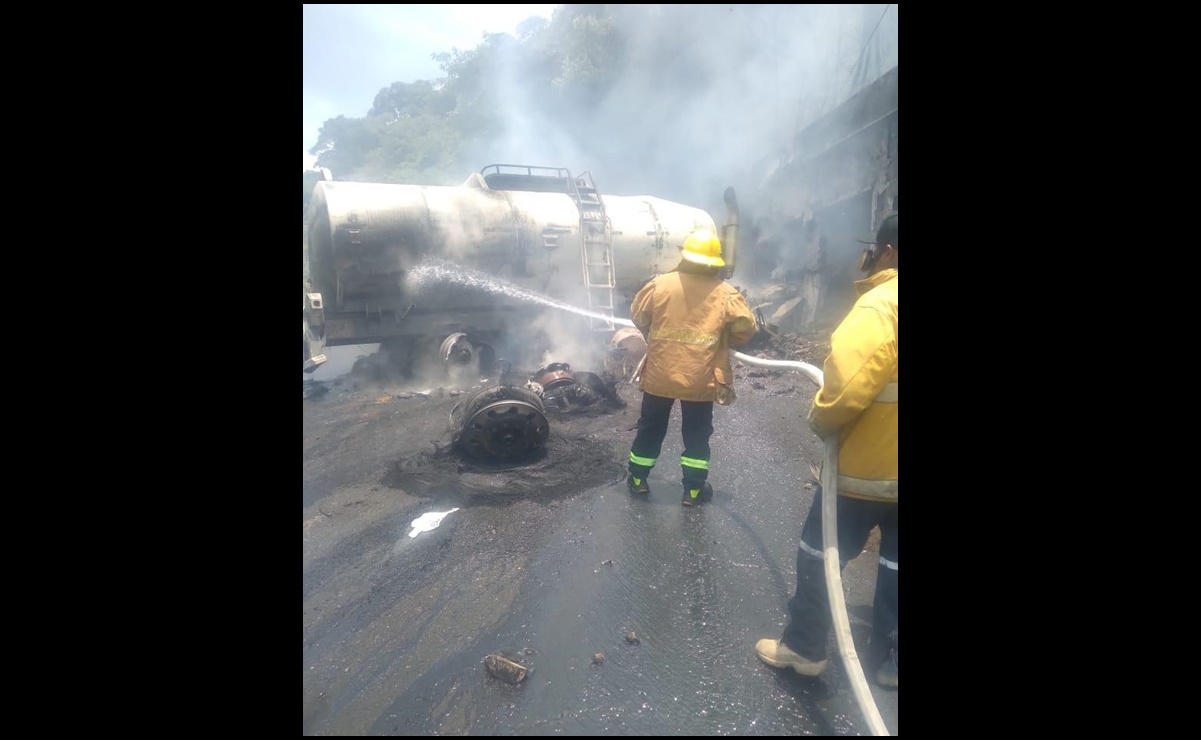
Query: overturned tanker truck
[542, 230]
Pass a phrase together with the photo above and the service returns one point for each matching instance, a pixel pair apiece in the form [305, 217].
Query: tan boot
[777, 655]
[886, 675]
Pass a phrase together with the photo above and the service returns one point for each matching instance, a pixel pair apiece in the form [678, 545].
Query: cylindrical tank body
[647, 235]
[371, 247]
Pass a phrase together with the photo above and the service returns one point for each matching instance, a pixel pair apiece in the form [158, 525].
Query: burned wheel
[456, 350]
[501, 423]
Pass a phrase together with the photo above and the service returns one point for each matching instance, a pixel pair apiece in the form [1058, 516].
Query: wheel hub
[506, 428]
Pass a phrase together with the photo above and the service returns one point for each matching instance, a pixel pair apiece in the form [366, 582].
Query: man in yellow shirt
[858, 401]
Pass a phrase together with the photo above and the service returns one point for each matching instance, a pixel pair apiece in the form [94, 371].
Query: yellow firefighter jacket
[859, 394]
[690, 322]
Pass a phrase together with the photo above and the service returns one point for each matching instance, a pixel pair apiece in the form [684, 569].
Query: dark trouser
[697, 423]
[809, 620]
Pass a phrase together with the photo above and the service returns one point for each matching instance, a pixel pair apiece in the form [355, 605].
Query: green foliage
[343, 144]
[418, 132]
[589, 50]
[412, 99]
[621, 84]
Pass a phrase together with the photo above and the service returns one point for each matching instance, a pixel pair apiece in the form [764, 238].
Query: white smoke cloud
[756, 74]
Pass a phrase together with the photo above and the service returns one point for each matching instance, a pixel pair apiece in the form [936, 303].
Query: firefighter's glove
[821, 431]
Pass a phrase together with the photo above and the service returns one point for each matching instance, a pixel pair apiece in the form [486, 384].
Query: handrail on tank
[545, 180]
[560, 172]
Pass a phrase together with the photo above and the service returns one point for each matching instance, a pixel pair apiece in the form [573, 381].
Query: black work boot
[694, 496]
[637, 485]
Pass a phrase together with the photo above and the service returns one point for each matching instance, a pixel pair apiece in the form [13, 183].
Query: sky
[351, 52]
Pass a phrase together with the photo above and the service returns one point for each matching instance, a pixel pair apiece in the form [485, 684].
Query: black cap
[887, 233]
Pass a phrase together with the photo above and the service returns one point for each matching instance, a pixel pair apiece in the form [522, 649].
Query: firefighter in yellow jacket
[691, 318]
[858, 400]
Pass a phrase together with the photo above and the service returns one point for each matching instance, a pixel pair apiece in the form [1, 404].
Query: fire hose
[838, 607]
[829, 483]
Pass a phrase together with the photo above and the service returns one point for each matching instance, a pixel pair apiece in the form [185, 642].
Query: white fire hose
[838, 606]
[829, 482]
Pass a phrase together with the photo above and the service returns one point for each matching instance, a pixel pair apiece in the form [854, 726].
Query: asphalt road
[554, 566]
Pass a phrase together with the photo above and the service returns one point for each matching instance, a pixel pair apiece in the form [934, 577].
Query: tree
[650, 90]
[343, 144]
[410, 99]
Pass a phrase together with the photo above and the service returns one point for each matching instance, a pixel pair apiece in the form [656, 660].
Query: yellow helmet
[703, 248]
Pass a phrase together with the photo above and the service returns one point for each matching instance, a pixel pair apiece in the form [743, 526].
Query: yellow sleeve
[863, 352]
[740, 322]
[643, 308]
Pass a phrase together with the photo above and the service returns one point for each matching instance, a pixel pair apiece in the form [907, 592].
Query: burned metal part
[729, 233]
[554, 376]
[566, 391]
[456, 350]
[314, 332]
[598, 386]
[627, 348]
[500, 422]
[629, 339]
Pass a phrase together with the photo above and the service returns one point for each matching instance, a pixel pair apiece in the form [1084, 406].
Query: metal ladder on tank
[596, 240]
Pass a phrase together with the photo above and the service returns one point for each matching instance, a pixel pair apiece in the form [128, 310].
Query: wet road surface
[396, 627]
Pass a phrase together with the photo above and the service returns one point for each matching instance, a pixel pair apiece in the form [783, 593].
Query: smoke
[561, 333]
[690, 99]
[571, 339]
[696, 98]
[707, 95]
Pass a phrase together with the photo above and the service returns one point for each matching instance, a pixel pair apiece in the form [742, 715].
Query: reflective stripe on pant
[809, 620]
[696, 421]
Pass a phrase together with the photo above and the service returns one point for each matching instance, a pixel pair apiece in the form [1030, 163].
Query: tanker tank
[540, 230]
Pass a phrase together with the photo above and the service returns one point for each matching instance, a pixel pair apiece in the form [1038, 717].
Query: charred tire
[502, 422]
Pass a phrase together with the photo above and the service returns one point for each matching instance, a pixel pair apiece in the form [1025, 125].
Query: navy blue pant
[809, 620]
[697, 427]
